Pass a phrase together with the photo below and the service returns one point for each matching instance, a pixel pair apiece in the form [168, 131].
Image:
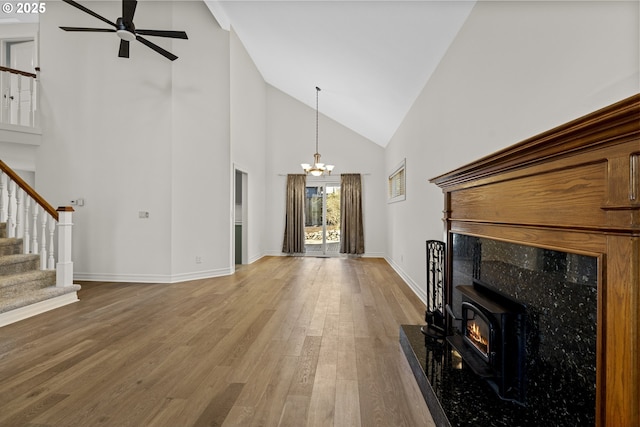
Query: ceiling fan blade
[162, 33]
[90, 12]
[92, 30]
[124, 49]
[128, 10]
[157, 48]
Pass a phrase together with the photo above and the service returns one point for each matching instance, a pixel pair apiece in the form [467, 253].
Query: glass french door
[322, 219]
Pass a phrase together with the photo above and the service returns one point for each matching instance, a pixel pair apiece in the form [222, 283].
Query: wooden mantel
[575, 188]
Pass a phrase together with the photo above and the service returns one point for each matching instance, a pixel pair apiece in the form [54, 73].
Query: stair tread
[35, 296]
[11, 245]
[22, 283]
[28, 276]
[9, 241]
[12, 259]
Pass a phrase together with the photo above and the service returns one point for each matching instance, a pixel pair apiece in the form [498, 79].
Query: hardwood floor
[286, 341]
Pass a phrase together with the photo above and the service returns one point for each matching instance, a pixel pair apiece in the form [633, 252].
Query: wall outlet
[198, 260]
[143, 214]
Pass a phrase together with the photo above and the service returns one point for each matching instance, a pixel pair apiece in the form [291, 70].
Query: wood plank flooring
[286, 341]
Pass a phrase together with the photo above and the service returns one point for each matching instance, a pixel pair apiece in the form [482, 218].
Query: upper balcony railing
[18, 102]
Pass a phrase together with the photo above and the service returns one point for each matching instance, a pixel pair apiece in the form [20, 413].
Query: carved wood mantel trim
[573, 188]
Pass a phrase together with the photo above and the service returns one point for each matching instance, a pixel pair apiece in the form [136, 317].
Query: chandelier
[317, 168]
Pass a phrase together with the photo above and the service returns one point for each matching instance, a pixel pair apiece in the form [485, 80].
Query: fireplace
[491, 339]
[558, 219]
[521, 338]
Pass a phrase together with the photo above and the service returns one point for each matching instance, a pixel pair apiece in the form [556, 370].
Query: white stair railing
[29, 217]
[18, 105]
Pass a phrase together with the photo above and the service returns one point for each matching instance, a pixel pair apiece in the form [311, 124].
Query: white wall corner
[218, 13]
[256, 258]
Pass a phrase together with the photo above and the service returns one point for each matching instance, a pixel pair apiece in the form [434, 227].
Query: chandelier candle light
[317, 169]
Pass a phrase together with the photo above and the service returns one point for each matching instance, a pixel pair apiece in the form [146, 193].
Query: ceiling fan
[125, 29]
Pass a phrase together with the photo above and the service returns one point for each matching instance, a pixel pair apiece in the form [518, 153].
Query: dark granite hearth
[457, 397]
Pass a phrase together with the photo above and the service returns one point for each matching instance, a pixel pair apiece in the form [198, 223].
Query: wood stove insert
[491, 339]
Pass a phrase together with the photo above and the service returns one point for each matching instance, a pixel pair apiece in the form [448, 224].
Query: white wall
[249, 140]
[134, 135]
[146, 134]
[200, 148]
[291, 133]
[515, 69]
[18, 156]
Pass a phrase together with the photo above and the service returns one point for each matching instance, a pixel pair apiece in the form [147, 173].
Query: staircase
[36, 269]
[25, 290]
[33, 277]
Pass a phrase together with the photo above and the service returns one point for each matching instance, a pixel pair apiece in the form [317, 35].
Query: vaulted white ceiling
[371, 58]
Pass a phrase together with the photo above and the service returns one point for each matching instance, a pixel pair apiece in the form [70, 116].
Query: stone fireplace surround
[574, 189]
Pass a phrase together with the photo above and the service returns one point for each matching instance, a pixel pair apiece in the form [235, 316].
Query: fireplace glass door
[477, 330]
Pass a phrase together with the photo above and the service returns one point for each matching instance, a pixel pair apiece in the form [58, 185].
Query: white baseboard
[196, 275]
[365, 255]
[373, 255]
[421, 293]
[256, 258]
[151, 278]
[274, 253]
[22, 313]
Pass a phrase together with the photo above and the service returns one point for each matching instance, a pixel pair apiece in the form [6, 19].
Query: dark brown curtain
[294, 217]
[351, 229]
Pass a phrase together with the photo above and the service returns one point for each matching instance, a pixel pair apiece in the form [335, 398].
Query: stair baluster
[51, 262]
[19, 213]
[19, 103]
[43, 241]
[11, 231]
[3, 215]
[32, 101]
[27, 231]
[34, 237]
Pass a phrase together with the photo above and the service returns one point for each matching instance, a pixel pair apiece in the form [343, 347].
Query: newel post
[64, 268]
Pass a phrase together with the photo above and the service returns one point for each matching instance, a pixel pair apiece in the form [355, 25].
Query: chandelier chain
[317, 115]
[317, 168]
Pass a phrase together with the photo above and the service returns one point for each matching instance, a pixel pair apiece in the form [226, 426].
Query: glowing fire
[475, 335]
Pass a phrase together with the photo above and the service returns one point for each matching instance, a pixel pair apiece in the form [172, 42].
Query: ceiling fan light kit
[126, 30]
[126, 35]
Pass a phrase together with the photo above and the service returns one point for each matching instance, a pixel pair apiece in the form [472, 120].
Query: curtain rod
[327, 176]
